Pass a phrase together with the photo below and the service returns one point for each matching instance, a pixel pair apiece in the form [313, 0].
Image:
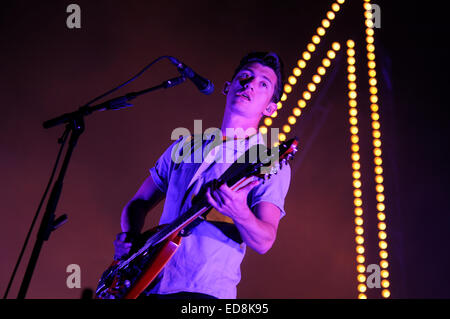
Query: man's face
[251, 91]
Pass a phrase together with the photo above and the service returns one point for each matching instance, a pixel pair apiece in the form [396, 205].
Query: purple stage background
[48, 69]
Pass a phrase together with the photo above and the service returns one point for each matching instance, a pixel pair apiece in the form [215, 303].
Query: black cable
[128, 81]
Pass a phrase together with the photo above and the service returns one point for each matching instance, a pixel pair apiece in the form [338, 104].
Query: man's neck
[238, 126]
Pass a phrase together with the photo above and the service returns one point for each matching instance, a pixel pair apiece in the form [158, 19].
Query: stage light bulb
[362, 288]
[351, 60]
[352, 103]
[321, 31]
[369, 23]
[381, 216]
[274, 114]
[357, 183]
[355, 147]
[362, 296]
[357, 202]
[377, 142]
[351, 52]
[356, 166]
[306, 95]
[292, 80]
[353, 130]
[335, 7]
[321, 70]
[385, 293]
[358, 220]
[385, 283]
[331, 54]
[279, 105]
[357, 193]
[311, 87]
[351, 69]
[268, 121]
[361, 277]
[383, 254]
[287, 88]
[283, 97]
[382, 244]
[373, 90]
[316, 79]
[353, 120]
[336, 46]
[361, 268]
[311, 47]
[286, 128]
[356, 175]
[354, 139]
[316, 39]
[360, 250]
[376, 125]
[331, 15]
[350, 43]
[326, 62]
[382, 235]
[370, 47]
[382, 226]
[352, 94]
[263, 130]
[282, 137]
[292, 119]
[360, 259]
[353, 111]
[326, 23]
[376, 134]
[384, 264]
[301, 103]
[384, 273]
[379, 179]
[297, 72]
[301, 64]
[379, 188]
[380, 197]
[306, 55]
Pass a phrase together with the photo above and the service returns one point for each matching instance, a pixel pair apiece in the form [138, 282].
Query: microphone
[204, 85]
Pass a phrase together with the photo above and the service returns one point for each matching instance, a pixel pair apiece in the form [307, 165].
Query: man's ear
[226, 88]
[270, 108]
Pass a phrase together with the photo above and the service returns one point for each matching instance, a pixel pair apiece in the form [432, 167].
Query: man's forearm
[133, 216]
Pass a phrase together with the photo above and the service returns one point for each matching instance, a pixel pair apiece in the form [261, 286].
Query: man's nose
[247, 82]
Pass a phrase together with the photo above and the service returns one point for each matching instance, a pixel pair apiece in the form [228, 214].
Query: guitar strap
[216, 155]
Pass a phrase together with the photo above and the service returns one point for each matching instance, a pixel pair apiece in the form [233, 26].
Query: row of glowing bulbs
[376, 134]
[297, 72]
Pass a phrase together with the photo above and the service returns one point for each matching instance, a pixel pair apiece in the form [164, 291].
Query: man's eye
[264, 84]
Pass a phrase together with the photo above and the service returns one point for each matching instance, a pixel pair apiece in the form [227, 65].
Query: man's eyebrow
[250, 70]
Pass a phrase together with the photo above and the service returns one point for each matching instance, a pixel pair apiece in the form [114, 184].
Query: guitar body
[129, 282]
[128, 278]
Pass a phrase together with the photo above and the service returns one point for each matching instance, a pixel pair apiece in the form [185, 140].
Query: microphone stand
[74, 124]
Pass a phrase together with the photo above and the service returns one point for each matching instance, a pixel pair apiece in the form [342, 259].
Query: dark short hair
[271, 60]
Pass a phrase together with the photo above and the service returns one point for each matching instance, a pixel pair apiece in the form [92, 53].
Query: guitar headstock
[277, 158]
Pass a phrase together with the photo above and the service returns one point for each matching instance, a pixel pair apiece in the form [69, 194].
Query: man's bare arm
[134, 213]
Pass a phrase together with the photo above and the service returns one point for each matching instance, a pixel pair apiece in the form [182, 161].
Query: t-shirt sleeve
[164, 166]
[273, 190]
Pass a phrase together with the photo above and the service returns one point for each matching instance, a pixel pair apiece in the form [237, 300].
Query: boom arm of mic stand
[113, 104]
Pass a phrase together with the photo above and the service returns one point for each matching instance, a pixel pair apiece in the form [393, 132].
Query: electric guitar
[128, 278]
